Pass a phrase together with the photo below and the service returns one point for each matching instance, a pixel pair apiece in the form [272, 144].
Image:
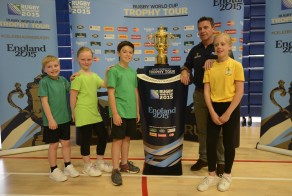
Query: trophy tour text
[156, 10]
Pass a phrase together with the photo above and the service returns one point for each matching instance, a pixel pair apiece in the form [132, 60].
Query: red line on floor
[144, 186]
[141, 159]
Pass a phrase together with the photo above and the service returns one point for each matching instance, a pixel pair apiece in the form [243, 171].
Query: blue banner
[276, 125]
[28, 33]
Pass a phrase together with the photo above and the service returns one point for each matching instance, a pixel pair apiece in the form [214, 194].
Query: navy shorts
[127, 129]
[54, 136]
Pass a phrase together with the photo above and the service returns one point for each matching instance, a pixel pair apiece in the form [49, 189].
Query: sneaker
[199, 165]
[220, 169]
[58, 175]
[71, 171]
[116, 177]
[104, 166]
[91, 170]
[224, 183]
[207, 182]
[129, 167]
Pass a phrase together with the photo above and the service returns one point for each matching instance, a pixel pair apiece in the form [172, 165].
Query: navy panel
[63, 28]
[256, 49]
[244, 100]
[245, 37]
[245, 51]
[257, 23]
[257, 36]
[246, 24]
[246, 75]
[256, 74]
[243, 111]
[256, 61]
[255, 98]
[245, 62]
[257, 10]
[62, 16]
[64, 52]
[66, 63]
[246, 2]
[61, 4]
[246, 11]
[256, 86]
[257, 1]
[64, 40]
[255, 110]
[66, 74]
[246, 88]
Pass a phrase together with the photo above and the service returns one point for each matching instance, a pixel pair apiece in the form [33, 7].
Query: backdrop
[28, 33]
[102, 24]
[276, 124]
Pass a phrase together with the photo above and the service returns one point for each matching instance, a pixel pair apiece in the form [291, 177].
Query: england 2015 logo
[228, 4]
[25, 51]
[286, 46]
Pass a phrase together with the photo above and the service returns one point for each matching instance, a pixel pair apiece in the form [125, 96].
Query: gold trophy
[161, 44]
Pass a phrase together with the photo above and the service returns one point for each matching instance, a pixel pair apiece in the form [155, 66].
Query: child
[223, 90]
[83, 101]
[53, 90]
[124, 110]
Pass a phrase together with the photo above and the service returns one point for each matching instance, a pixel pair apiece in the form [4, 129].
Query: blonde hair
[227, 36]
[84, 49]
[48, 59]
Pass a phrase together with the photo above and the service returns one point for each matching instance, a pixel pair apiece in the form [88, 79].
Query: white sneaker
[207, 182]
[71, 171]
[91, 170]
[224, 183]
[58, 175]
[104, 166]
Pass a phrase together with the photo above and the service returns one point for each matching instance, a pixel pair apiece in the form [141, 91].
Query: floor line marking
[157, 176]
[141, 159]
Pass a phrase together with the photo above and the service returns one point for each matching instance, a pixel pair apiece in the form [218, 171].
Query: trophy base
[175, 170]
[161, 65]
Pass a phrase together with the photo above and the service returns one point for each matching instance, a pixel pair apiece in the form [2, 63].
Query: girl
[83, 102]
[223, 90]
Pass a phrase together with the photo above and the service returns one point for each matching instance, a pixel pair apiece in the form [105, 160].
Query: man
[199, 57]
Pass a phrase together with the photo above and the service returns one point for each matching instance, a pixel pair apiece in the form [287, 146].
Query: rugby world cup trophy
[163, 103]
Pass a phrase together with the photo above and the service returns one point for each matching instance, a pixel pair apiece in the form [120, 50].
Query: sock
[52, 168]
[67, 163]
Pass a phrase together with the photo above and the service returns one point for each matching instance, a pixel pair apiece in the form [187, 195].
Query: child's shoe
[104, 166]
[91, 170]
[58, 175]
[71, 171]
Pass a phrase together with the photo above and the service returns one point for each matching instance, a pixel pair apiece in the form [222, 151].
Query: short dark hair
[124, 43]
[205, 18]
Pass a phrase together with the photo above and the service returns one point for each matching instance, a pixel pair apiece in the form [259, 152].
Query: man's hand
[185, 77]
[208, 64]
[74, 75]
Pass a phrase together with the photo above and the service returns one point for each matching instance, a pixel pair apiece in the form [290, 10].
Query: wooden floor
[255, 172]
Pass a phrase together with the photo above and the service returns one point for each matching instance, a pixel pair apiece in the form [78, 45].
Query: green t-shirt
[57, 93]
[86, 109]
[124, 81]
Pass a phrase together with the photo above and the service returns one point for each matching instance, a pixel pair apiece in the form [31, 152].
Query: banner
[28, 34]
[163, 99]
[276, 125]
[102, 24]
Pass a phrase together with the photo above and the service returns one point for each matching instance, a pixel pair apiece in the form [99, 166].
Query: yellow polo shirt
[222, 77]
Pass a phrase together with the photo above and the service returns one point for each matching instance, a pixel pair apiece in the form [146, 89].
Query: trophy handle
[20, 93]
[282, 90]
